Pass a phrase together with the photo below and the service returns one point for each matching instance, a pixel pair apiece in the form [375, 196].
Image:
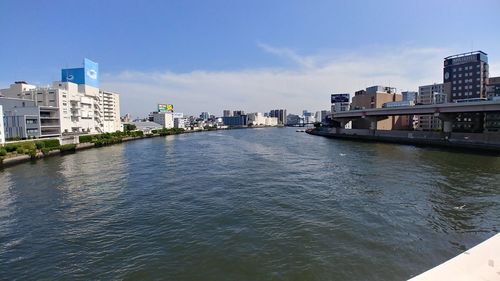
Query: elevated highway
[428, 109]
[446, 112]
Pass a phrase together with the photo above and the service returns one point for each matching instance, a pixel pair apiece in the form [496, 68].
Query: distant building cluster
[73, 105]
[465, 79]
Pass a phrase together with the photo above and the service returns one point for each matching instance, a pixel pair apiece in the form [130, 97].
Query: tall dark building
[280, 114]
[238, 112]
[465, 77]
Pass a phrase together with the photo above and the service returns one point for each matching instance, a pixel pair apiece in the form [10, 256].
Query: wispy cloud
[289, 54]
[306, 85]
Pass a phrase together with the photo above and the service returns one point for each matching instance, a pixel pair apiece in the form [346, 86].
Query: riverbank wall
[486, 142]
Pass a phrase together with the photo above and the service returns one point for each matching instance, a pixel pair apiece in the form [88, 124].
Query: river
[256, 204]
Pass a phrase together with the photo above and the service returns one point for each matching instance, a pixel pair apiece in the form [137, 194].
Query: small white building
[166, 119]
[180, 123]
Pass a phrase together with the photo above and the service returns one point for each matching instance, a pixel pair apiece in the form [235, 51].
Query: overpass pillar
[448, 120]
[373, 124]
[447, 126]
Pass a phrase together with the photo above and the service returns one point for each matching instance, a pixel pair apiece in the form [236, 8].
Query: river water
[259, 204]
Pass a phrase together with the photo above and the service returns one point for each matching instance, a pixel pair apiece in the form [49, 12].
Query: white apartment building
[258, 119]
[73, 105]
[2, 132]
[166, 119]
[430, 94]
[110, 111]
[80, 108]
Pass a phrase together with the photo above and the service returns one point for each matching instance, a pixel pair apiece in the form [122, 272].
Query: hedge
[68, 148]
[50, 143]
[85, 138]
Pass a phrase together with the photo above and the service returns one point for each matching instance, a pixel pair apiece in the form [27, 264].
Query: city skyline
[243, 55]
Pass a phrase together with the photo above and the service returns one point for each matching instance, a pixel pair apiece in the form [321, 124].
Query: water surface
[260, 204]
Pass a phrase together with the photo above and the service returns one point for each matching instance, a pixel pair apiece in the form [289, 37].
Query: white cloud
[307, 85]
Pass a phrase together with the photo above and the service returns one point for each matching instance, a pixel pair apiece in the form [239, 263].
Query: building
[165, 119]
[492, 120]
[205, 115]
[25, 119]
[339, 103]
[321, 115]
[295, 120]
[375, 97]
[146, 126]
[308, 117]
[258, 119]
[409, 96]
[237, 120]
[110, 111]
[226, 113]
[465, 77]
[280, 114]
[238, 113]
[493, 88]
[430, 94]
[81, 106]
[2, 132]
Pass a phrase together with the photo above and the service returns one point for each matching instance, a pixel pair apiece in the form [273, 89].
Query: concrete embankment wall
[485, 141]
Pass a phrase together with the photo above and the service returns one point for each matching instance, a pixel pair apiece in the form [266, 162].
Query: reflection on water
[245, 205]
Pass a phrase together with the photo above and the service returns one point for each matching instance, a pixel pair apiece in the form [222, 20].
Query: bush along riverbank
[30, 150]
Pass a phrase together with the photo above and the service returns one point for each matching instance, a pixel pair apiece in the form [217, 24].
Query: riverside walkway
[481, 262]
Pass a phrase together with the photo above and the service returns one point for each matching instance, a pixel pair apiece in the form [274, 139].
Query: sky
[210, 55]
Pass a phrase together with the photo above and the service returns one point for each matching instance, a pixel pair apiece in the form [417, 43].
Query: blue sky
[255, 55]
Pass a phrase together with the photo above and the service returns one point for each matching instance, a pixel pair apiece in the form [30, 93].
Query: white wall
[166, 119]
[2, 129]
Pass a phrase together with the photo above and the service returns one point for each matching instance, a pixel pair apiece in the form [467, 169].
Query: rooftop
[466, 54]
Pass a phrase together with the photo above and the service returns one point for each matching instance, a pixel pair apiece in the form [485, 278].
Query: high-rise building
[226, 113]
[280, 114]
[238, 113]
[205, 115]
[430, 94]
[465, 77]
[110, 111]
